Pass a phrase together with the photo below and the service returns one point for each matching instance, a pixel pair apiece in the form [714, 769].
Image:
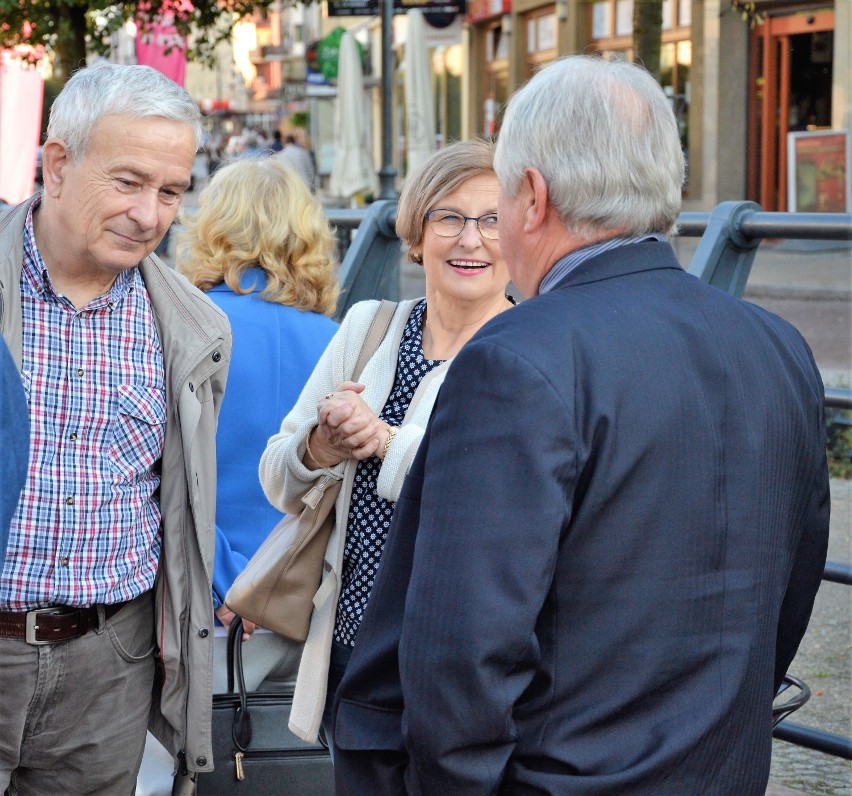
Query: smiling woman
[368, 433]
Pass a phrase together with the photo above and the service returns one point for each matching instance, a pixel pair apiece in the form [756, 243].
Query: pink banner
[21, 93]
[153, 41]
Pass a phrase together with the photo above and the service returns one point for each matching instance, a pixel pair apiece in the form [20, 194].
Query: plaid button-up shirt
[87, 525]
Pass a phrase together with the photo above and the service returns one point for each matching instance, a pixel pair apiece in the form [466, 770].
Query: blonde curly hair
[258, 213]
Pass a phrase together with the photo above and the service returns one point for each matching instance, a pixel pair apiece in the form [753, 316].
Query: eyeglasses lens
[449, 225]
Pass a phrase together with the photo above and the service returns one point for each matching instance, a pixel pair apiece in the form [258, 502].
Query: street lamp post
[387, 173]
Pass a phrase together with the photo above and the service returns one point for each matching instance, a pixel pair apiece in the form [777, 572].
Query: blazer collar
[628, 259]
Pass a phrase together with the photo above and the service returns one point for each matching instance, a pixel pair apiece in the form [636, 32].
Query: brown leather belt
[57, 623]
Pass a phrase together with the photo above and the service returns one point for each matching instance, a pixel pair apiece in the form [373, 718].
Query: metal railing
[730, 236]
[369, 253]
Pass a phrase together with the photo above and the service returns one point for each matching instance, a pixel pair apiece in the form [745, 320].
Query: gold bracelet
[391, 435]
[308, 445]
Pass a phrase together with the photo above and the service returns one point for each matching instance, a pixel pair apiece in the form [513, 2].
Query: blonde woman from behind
[262, 250]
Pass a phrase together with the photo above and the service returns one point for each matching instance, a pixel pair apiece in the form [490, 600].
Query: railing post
[725, 255]
[370, 269]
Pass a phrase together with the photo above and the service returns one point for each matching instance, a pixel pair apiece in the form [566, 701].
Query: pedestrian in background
[262, 250]
[607, 549]
[367, 433]
[105, 597]
[300, 159]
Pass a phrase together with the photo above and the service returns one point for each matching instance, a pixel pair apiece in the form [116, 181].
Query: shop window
[602, 20]
[610, 20]
[623, 17]
[668, 14]
[541, 38]
[447, 68]
[496, 74]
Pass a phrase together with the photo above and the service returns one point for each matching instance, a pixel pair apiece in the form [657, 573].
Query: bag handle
[375, 334]
[241, 728]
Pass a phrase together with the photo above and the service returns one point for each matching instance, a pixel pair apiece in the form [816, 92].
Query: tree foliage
[70, 29]
[747, 9]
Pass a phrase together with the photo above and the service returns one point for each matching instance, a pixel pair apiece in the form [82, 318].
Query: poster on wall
[819, 171]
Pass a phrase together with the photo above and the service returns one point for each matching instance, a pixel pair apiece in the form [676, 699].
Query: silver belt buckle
[32, 626]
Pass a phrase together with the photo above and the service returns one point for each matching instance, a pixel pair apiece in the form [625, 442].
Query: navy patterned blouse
[369, 515]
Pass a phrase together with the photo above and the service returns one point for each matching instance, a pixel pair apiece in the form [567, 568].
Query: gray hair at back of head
[106, 89]
[604, 137]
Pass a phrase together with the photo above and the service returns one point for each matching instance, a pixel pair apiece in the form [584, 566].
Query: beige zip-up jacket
[285, 478]
[196, 340]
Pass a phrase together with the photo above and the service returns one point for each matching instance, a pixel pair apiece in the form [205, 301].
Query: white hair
[105, 89]
[605, 139]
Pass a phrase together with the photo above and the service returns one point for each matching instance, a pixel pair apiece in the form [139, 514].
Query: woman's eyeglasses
[448, 224]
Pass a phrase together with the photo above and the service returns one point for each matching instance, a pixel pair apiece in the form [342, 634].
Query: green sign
[328, 52]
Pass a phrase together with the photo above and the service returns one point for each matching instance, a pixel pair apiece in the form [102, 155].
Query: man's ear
[54, 159]
[534, 189]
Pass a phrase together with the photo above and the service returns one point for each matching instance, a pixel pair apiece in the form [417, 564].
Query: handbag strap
[375, 334]
[241, 731]
[235, 654]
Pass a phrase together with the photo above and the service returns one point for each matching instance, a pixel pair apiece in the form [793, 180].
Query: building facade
[740, 77]
[739, 82]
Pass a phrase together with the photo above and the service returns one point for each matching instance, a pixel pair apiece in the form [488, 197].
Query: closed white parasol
[353, 170]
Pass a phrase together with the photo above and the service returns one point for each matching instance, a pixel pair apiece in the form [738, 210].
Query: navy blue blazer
[605, 554]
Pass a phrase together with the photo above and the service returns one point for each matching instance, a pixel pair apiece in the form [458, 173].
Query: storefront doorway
[790, 79]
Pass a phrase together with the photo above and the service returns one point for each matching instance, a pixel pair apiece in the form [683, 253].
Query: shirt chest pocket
[139, 430]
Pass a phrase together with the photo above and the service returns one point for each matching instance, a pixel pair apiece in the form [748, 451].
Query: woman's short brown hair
[440, 175]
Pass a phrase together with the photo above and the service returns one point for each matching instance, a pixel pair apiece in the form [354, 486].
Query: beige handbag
[276, 589]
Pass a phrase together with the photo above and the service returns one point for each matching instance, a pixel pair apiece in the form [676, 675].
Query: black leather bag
[253, 751]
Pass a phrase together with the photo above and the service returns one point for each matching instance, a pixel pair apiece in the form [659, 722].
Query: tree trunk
[647, 34]
[71, 39]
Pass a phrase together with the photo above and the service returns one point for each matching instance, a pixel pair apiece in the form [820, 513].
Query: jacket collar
[629, 259]
[253, 279]
[190, 325]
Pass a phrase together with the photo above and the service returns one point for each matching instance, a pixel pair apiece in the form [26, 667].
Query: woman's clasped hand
[346, 427]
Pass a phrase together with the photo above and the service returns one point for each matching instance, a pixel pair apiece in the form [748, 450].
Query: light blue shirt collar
[571, 260]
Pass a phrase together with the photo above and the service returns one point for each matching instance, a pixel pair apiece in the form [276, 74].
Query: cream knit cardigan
[285, 478]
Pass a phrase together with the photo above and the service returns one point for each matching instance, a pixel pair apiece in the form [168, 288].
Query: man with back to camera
[106, 587]
[607, 549]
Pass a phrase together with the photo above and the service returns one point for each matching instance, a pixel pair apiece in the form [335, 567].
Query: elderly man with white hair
[105, 612]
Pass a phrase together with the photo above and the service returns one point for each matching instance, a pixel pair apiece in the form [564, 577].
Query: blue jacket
[275, 350]
[14, 442]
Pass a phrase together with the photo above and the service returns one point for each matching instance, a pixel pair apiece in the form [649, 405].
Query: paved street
[823, 662]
